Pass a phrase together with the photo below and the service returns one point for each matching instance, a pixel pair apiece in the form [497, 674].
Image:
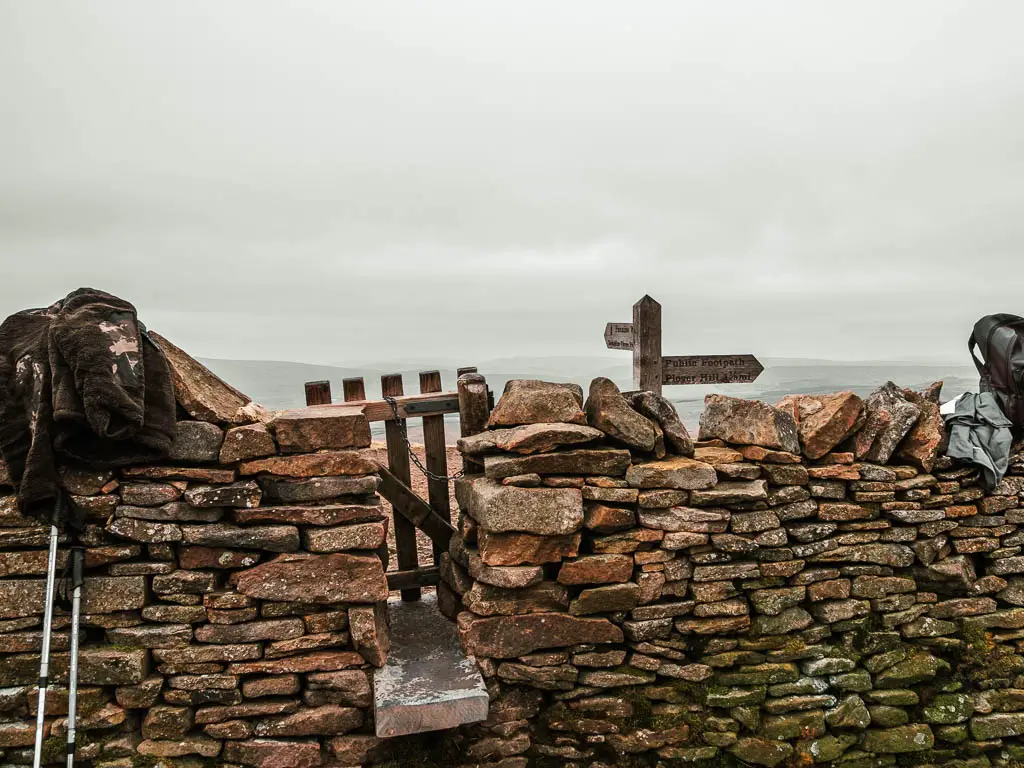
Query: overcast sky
[343, 182]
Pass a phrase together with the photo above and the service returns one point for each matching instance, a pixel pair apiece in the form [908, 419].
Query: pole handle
[77, 566]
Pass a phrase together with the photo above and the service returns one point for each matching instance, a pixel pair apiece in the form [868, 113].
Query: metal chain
[408, 446]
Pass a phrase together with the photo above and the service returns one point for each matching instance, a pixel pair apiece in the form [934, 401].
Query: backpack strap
[972, 344]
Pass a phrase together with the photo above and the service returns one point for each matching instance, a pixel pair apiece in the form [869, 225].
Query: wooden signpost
[651, 370]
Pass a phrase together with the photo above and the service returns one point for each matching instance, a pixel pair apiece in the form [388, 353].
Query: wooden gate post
[398, 463]
[318, 393]
[353, 389]
[647, 345]
[436, 453]
[474, 411]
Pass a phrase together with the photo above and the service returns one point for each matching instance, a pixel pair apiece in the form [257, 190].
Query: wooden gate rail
[432, 516]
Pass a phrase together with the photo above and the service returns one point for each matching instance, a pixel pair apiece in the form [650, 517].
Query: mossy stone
[948, 709]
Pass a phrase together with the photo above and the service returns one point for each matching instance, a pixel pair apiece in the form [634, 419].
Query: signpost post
[651, 370]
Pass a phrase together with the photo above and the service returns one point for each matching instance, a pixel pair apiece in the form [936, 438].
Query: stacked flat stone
[234, 601]
[817, 584]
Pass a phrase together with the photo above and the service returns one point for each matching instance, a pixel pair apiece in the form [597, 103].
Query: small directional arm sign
[618, 335]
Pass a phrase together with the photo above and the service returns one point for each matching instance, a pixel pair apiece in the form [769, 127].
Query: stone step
[427, 683]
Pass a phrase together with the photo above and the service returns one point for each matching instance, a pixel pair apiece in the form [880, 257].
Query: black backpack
[1001, 341]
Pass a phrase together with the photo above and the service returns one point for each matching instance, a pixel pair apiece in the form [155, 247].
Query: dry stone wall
[233, 601]
[808, 583]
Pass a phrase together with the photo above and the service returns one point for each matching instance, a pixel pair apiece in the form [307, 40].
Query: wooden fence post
[353, 389]
[474, 411]
[318, 393]
[647, 345]
[398, 463]
[436, 453]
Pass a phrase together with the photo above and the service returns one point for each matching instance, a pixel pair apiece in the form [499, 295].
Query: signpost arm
[647, 345]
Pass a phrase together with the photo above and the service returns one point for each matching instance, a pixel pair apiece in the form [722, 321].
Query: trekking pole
[44, 658]
[77, 566]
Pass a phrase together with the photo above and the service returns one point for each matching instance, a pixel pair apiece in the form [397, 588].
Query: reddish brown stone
[835, 472]
[527, 439]
[274, 538]
[276, 685]
[319, 427]
[328, 720]
[345, 537]
[596, 569]
[216, 557]
[748, 422]
[201, 654]
[299, 490]
[163, 722]
[676, 472]
[369, 629]
[253, 631]
[199, 391]
[629, 541]
[190, 745]
[605, 519]
[247, 709]
[350, 687]
[757, 453]
[141, 696]
[526, 548]
[321, 464]
[505, 637]
[144, 530]
[161, 472]
[336, 578]
[101, 594]
[282, 648]
[326, 514]
[95, 508]
[538, 402]
[322, 661]
[246, 442]
[268, 753]
[715, 455]
[927, 439]
[151, 636]
[232, 729]
[608, 411]
[824, 421]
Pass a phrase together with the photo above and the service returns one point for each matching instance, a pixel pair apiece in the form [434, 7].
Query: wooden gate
[472, 401]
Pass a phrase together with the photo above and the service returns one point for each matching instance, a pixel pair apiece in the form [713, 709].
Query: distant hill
[279, 384]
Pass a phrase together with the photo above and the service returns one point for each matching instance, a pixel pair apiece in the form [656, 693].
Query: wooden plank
[414, 510]
[436, 454]
[467, 369]
[318, 393]
[353, 389]
[710, 369]
[398, 463]
[421, 577]
[618, 335]
[409, 406]
[647, 345]
[474, 410]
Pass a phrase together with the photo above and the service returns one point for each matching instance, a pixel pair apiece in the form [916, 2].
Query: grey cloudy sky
[341, 181]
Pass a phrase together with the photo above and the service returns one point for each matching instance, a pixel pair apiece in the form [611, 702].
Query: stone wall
[811, 583]
[806, 583]
[233, 599]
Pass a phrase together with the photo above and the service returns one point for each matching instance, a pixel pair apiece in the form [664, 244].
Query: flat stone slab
[427, 683]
